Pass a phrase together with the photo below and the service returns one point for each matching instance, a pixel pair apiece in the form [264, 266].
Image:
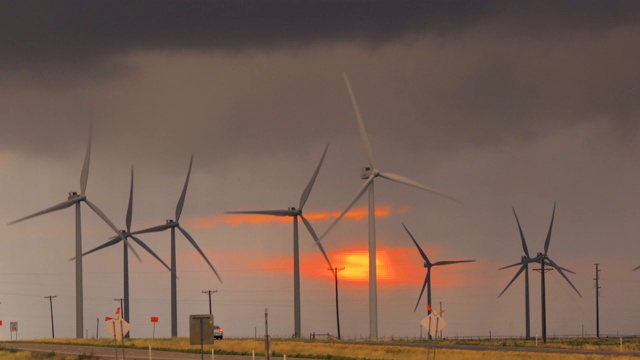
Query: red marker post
[154, 320]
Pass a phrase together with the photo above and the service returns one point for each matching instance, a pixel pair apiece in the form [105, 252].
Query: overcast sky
[498, 104]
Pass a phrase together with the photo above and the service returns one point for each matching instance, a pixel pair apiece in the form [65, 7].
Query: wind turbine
[369, 173]
[428, 264]
[295, 213]
[524, 260]
[76, 199]
[173, 224]
[544, 260]
[124, 236]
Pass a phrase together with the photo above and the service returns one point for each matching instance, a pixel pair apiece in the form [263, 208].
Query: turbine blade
[315, 238]
[363, 132]
[559, 269]
[148, 249]
[449, 262]
[514, 279]
[84, 175]
[98, 248]
[184, 192]
[265, 212]
[103, 217]
[153, 229]
[403, 180]
[62, 205]
[522, 262]
[353, 201]
[512, 265]
[130, 206]
[132, 250]
[307, 190]
[424, 256]
[193, 242]
[546, 242]
[524, 243]
[424, 284]
[638, 267]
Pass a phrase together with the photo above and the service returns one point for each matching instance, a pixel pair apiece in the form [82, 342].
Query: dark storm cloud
[79, 34]
[457, 73]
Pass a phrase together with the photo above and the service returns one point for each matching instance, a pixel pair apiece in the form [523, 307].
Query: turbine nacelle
[170, 221]
[367, 171]
[73, 195]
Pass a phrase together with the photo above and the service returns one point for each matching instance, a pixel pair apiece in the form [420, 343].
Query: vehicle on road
[218, 332]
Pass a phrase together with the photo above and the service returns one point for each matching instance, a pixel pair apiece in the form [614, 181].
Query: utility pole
[597, 300]
[209, 292]
[51, 297]
[543, 301]
[267, 347]
[335, 276]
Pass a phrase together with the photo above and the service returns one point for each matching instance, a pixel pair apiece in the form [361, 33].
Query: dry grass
[631, 344]
[388, 349]
[6, 354]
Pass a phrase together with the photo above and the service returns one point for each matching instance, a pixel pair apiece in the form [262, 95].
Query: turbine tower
[295, 213]
[124, 236]
[428, 264]
[369, 173]
[172, 225]
[524, 260]
[543, 259]
[76, 199]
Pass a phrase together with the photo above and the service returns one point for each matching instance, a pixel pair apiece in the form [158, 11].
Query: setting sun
[356, 265]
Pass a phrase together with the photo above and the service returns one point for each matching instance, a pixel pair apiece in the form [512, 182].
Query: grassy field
[8, 354]
[397, 349]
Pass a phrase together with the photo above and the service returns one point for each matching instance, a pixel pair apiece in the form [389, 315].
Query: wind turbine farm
[452, 118]
[126, 235]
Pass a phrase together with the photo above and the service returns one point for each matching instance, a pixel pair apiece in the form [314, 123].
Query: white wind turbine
[295, 213]
[172, 224]
[369, 173]
[76, 199]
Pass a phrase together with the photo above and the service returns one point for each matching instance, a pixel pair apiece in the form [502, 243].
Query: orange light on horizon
[355, 214]
[396, 267]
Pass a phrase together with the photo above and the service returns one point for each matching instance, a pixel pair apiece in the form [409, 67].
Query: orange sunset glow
[355, 214]
[395, 267]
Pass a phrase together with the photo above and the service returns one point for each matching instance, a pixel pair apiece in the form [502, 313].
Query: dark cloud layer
[250, 75]
[77, 34]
